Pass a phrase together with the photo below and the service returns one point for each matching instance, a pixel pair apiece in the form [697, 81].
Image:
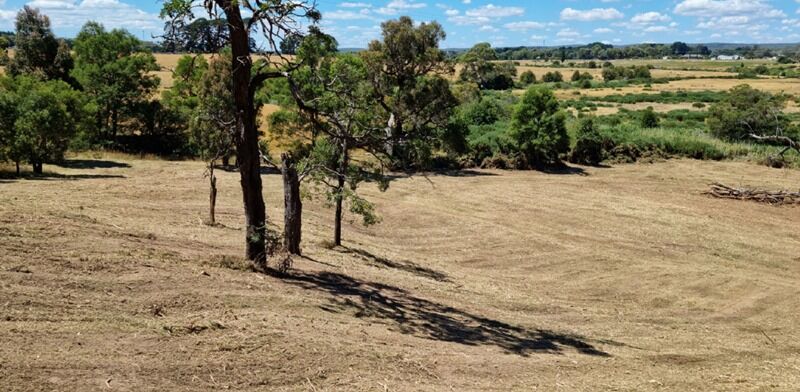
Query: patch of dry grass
[625, 278]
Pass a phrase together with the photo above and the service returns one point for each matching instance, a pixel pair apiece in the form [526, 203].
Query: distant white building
[729, 58]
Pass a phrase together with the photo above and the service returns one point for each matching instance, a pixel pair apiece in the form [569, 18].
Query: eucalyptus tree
[408, 73]
[37, 51]
[272, 21]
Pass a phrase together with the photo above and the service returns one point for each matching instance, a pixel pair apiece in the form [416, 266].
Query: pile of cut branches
[762, 196]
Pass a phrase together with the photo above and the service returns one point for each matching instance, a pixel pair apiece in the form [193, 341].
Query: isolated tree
[39, 118]
[527, 78]
[649, 118]
[406, 69]
[588, 148]
[538, 127]
[273, 20]
[115, 71]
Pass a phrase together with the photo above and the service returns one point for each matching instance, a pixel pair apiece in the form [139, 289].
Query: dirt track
[622, 278]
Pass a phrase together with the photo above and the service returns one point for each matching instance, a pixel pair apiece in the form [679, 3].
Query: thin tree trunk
[337, 224]
[17, 163]
[212, 196]
[247, 154]
[293, 205]
[37, 167]
[226, 160]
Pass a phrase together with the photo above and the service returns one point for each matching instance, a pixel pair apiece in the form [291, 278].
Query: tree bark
[212, 196]
[342, 177]
[246, 140]
[293, 205]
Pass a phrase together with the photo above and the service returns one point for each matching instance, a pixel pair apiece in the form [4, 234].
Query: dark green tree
[746, 111]
[407, 69]
[115, 72]
[538, 127]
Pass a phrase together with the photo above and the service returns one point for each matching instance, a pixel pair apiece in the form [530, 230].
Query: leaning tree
[271, 21]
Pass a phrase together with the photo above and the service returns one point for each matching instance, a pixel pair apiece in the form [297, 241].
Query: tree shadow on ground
[402, 265]
[8, 177]
[430, 320]
[562, 170]
[91, 164]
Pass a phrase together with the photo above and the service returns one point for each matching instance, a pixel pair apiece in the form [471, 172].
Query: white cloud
[650, 17]
[591, 15]
[717, 8]
[524, 26]
[485, 14]
[67, 14]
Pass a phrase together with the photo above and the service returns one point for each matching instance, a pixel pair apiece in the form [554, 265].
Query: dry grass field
[623, 278]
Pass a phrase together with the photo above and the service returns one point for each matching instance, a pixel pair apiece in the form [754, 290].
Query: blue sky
[501, 22]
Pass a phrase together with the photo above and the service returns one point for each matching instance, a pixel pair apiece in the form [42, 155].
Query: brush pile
[762, 196]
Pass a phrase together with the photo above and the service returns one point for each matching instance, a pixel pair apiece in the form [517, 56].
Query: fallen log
[723, 191]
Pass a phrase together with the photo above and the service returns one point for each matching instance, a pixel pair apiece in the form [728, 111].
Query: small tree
[649, 118]
[45, 116]
[553, 77]
[527, 78]
[538, 127]
[588, 148]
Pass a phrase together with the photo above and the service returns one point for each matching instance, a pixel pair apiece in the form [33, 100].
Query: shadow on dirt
[422, 318]
[91, 164]
[6, 177]
[402, 265]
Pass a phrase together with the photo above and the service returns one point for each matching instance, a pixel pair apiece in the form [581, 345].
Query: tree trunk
[337, 224]
[17, 163]
[226, 161]
[212, 196]
[293, 206]
[246, 140]
[37, 167]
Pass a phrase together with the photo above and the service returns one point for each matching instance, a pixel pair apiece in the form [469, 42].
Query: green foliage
[480, 68]
[553, 77]
[527, 78]
[538, 127]
[746, 111]
[38, 119]
[649, 119]
[588, 148]
[634, 72]
[115, 73]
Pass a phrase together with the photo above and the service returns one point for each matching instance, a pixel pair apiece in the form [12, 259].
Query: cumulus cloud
[591, 15]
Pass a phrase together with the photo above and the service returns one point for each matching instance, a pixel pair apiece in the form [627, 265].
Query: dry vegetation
[626, 278]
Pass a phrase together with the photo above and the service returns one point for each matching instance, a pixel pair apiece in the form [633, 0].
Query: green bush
[588, 148]
[649, 119]
[746, 111]
[538, 127]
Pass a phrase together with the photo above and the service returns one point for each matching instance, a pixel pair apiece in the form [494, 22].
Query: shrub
[538, 127]
[553, 77]
[744, 111]
[588, 148]
[649, 119]
[527, 78]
